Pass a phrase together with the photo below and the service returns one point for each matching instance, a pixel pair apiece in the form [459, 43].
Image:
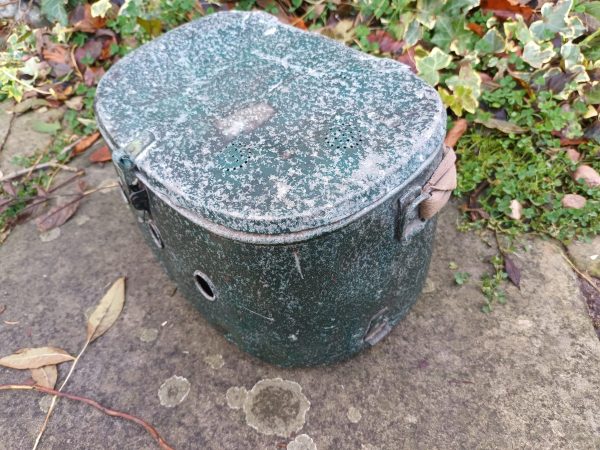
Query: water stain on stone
[276, 406]
[236, 396]
[81, 219]
[45, 403]
[354, 415]
[173, 391]
[302, 442]
[215, 361]
[148, 334]
[51, 235]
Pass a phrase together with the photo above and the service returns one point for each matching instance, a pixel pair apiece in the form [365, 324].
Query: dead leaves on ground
[34, 358]
[45, 376]
[58, 215]
[42, 361]
[107, 311]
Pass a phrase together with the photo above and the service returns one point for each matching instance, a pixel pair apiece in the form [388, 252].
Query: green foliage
[490, 285]
[55, 11]
[461, 278]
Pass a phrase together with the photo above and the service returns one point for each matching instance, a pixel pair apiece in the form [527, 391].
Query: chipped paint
[215, 361]
[236, 396]
[302, 442]
[173, 391]
[354, 415]
[276, 406]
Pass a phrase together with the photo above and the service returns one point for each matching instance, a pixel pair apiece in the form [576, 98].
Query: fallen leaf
[58, 215]
[107, 311]
[589, 176]
[516, 210]
[505, 10]
[34, 358]
[501, 125]
[408, 58]
[75, 103]
[82, 19]
[92, 75]
[85, 143]
[387, 43]
[101, 155]
[476, 28]
[513, 272]
[45, 376]
[573, 201]
[459, 128]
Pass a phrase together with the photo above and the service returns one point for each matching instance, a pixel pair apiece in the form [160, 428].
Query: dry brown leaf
[85, 143]
[513, 272]
[34, 358]
[501, 125]
[58, 215]
[459, 128]
[101, 155]
[107, 311]
[45, 376]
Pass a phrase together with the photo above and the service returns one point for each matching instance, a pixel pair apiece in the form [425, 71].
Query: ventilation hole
[205, 286]
[155, 234]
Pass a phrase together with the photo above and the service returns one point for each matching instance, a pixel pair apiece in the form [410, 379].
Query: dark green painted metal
[291, 283]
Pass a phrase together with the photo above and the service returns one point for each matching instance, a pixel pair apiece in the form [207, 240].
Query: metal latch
[409, 220]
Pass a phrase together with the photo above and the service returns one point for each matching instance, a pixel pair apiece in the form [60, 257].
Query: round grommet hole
[205, 286]
[155, 234]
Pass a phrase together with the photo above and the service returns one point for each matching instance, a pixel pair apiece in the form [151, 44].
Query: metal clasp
[409, 220]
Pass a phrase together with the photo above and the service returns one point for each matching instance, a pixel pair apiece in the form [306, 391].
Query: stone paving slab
[449, 376]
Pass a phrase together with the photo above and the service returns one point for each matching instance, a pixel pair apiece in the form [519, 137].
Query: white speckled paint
[264, 129]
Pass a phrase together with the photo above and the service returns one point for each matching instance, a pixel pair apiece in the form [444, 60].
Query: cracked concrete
[449, 376]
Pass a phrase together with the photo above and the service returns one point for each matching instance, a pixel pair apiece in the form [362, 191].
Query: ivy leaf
[537, 55]
[571, 55]
[466, 77]
[491, 42]
[555, 20]
[100, 8]
[54, 11]
[430, 65]
[452, 34]
[461, 99]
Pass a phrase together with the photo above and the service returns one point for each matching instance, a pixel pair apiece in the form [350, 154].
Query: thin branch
[88, 401]
[55, 397]
[47, 165]
[579, 272]
[10, 122]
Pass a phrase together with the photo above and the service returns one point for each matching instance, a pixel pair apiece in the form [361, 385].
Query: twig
[579, 272]
[88, 401]
[55, 397]
[71, 146]
[47, 165]
[28, 86]
[10, 122]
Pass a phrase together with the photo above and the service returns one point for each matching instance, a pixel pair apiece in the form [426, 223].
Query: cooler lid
[263, 128]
